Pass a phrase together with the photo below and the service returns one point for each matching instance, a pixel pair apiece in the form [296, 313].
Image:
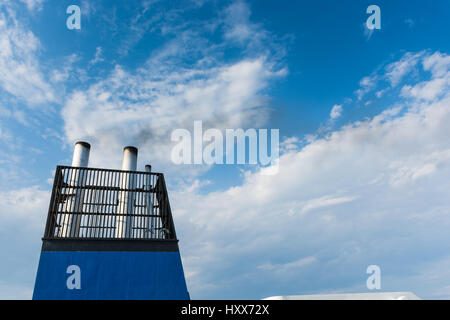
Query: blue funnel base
[110, 275]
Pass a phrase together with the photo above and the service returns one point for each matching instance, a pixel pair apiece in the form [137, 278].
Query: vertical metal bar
[91, 200]
[112, 207]
[63, 216]
[104, 203]
[98, 201]
[170, 223]
[66, 217]
[107, 203]
[97, 178]
[89, 206]
[142, 207]
[53, 197]
[79, 203]
[93, 232]
[116, 203]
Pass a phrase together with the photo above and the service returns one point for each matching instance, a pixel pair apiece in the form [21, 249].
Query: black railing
[91, 203]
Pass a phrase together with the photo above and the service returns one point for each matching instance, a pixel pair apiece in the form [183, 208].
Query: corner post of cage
[52, 202]
[168, 209]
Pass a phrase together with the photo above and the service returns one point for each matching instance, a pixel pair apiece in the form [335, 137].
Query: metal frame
[85, 205]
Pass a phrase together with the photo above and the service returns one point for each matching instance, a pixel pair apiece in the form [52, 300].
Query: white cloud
[238, 26]
[15, 292]
[98, 56]
[20, 74]
[438, 63]
[380, 93]
[288, 266]
[367, 32]
[373, 189]
[27, 207]
[22, 220]
[290, 143]
[141, 107]
[33, 4]
[397, 70]
[427, 90]
[336, 112]
[418, 167]
[439, 66]
[366, 85]
[65, 71]
[324, 201]
[5, 135]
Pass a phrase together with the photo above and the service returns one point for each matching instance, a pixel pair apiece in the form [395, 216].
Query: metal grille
[109, 204]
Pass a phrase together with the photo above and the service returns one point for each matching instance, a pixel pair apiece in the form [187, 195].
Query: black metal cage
[92, 203]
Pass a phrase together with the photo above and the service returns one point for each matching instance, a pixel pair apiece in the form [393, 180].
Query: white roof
[351, 296]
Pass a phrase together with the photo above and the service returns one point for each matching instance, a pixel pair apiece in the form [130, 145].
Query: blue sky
[364, 166]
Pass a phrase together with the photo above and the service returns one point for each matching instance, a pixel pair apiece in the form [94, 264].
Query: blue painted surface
[111, 275]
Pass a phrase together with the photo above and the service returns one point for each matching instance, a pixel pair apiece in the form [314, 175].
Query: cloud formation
[145, 105]
[336, 112]
[20, 72]
[371, 192]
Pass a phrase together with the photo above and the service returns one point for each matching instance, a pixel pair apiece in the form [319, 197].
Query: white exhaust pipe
[70, 223]
[81, 154]
[129, 160]
[124, 222]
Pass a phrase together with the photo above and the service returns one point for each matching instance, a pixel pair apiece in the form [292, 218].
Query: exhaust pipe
[124, 222]
[129, 160]
[81, 154]
[70, 223]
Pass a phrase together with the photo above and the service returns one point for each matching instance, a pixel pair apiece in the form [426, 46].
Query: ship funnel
[109, 235]
[81, 154]
[124, 225]
[70, 223]
[129, 159]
